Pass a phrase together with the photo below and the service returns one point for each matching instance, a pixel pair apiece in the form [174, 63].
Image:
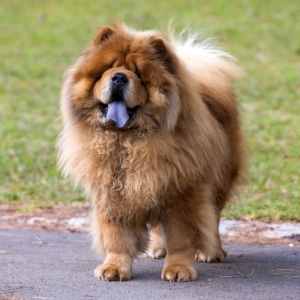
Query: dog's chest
[130, 178]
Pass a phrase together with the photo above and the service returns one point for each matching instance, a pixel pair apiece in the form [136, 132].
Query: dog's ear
[103, 34]
[162, 51]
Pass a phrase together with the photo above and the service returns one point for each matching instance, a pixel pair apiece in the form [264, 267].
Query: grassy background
[40, 38]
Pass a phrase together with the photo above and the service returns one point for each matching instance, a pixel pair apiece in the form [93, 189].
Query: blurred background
[39, 39]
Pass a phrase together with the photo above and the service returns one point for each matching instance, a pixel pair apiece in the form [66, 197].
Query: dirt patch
[74, 218]
[55, 218]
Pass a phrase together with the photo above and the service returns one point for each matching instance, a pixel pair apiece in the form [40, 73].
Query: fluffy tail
[203, 59]
[214, 70]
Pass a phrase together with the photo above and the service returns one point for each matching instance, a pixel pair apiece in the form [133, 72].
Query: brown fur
[174, 165]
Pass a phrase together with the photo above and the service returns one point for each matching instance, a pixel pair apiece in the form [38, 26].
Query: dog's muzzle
[116, 111]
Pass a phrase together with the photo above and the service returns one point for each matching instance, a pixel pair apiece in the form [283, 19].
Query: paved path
[55, 265]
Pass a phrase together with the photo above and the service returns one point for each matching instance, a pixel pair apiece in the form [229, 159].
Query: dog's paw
[157, 253]
[201, 256]
[111, 272]
[178, 272]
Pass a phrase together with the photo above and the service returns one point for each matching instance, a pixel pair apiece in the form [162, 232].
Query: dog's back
[216, 71]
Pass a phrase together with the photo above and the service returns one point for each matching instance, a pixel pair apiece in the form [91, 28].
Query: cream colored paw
[201, 256]
[177, 272]
[157, 253]
[111, 272]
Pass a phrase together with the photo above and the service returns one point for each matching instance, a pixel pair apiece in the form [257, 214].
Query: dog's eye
[143, 82]
[138, 73]
[96, 76]
[134, 68]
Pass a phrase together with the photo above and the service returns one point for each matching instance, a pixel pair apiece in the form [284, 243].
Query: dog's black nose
[119, 80]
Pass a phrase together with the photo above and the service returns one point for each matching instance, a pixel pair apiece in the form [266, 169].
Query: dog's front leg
[119, 245]
[179, 233]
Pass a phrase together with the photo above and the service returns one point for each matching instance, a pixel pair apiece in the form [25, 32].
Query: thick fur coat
[172, 167]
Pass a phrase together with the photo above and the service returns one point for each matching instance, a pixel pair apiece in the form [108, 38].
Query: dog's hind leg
[209, 245]
[157, 242]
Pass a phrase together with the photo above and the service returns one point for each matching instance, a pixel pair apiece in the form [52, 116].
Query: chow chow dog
[151, 131]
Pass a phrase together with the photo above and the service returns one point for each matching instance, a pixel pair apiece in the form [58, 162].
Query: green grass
[40, 38]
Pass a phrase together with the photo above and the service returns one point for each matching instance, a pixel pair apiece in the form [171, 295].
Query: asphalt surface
[54, 265]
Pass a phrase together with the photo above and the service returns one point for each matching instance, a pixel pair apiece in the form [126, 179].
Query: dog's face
[125, 81]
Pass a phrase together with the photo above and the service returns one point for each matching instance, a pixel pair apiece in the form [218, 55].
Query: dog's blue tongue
[117, 112]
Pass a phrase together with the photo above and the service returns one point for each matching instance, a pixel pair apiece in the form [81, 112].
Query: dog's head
[125, 80]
